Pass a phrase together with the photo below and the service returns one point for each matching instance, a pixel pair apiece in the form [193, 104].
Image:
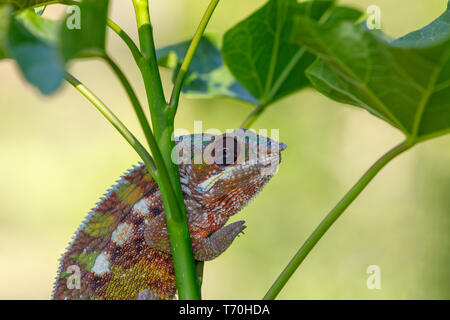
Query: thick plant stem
[111, 117]
[331, 218]
[173, 104]
[170, 186]
[162, 126]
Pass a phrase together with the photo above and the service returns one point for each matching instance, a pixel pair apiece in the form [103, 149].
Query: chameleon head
[223, 172]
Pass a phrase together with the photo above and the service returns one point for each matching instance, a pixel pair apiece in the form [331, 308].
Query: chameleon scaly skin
[122, 249]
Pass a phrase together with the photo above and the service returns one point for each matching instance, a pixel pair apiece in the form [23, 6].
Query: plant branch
[134, 101]
[148, 62]
[170, 186]
[253, 116]
[173, 104]
[126, 38]
[111, 117]
[328, 221]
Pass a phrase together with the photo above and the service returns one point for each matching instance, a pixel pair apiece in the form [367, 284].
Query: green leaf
[83, 32]
[260, 53]
[436, 31]
[29, 44]
[42, 46]
[404, 82]
[208, 77]
[42, 28]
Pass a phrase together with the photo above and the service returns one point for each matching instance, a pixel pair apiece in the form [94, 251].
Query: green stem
[331, 218]
[251, 118]
[173, 104]
[111, 117]
[162, 175]
[133, 98]
[199, 265]
[148, 65]
[169, 183]
[126, 38]
[148, 62]
[159, 173]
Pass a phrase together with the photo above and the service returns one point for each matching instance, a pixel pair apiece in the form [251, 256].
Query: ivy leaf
[208, 77]
[260, 53]
[405, 82]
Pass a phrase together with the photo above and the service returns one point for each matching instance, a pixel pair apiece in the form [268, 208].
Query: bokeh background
[58, 156]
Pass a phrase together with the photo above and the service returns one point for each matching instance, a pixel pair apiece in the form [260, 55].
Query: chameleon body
[122, 249]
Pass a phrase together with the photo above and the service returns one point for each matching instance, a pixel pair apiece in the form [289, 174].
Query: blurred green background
[58, 156]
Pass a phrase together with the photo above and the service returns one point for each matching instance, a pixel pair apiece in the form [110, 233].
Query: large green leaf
[207, 77]
[405, 82]
[261, 54]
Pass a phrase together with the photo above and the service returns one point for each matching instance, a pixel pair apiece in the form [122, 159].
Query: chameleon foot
[208, 248]
[212, 246]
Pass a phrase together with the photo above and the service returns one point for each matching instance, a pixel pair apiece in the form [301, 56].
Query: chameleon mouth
[273, 155]
[274, 149]
[281, 147]
[270, 165]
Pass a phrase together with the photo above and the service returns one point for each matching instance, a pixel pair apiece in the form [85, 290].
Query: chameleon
[122, 249]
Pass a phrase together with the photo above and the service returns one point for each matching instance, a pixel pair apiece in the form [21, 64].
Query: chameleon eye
[226, 151]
